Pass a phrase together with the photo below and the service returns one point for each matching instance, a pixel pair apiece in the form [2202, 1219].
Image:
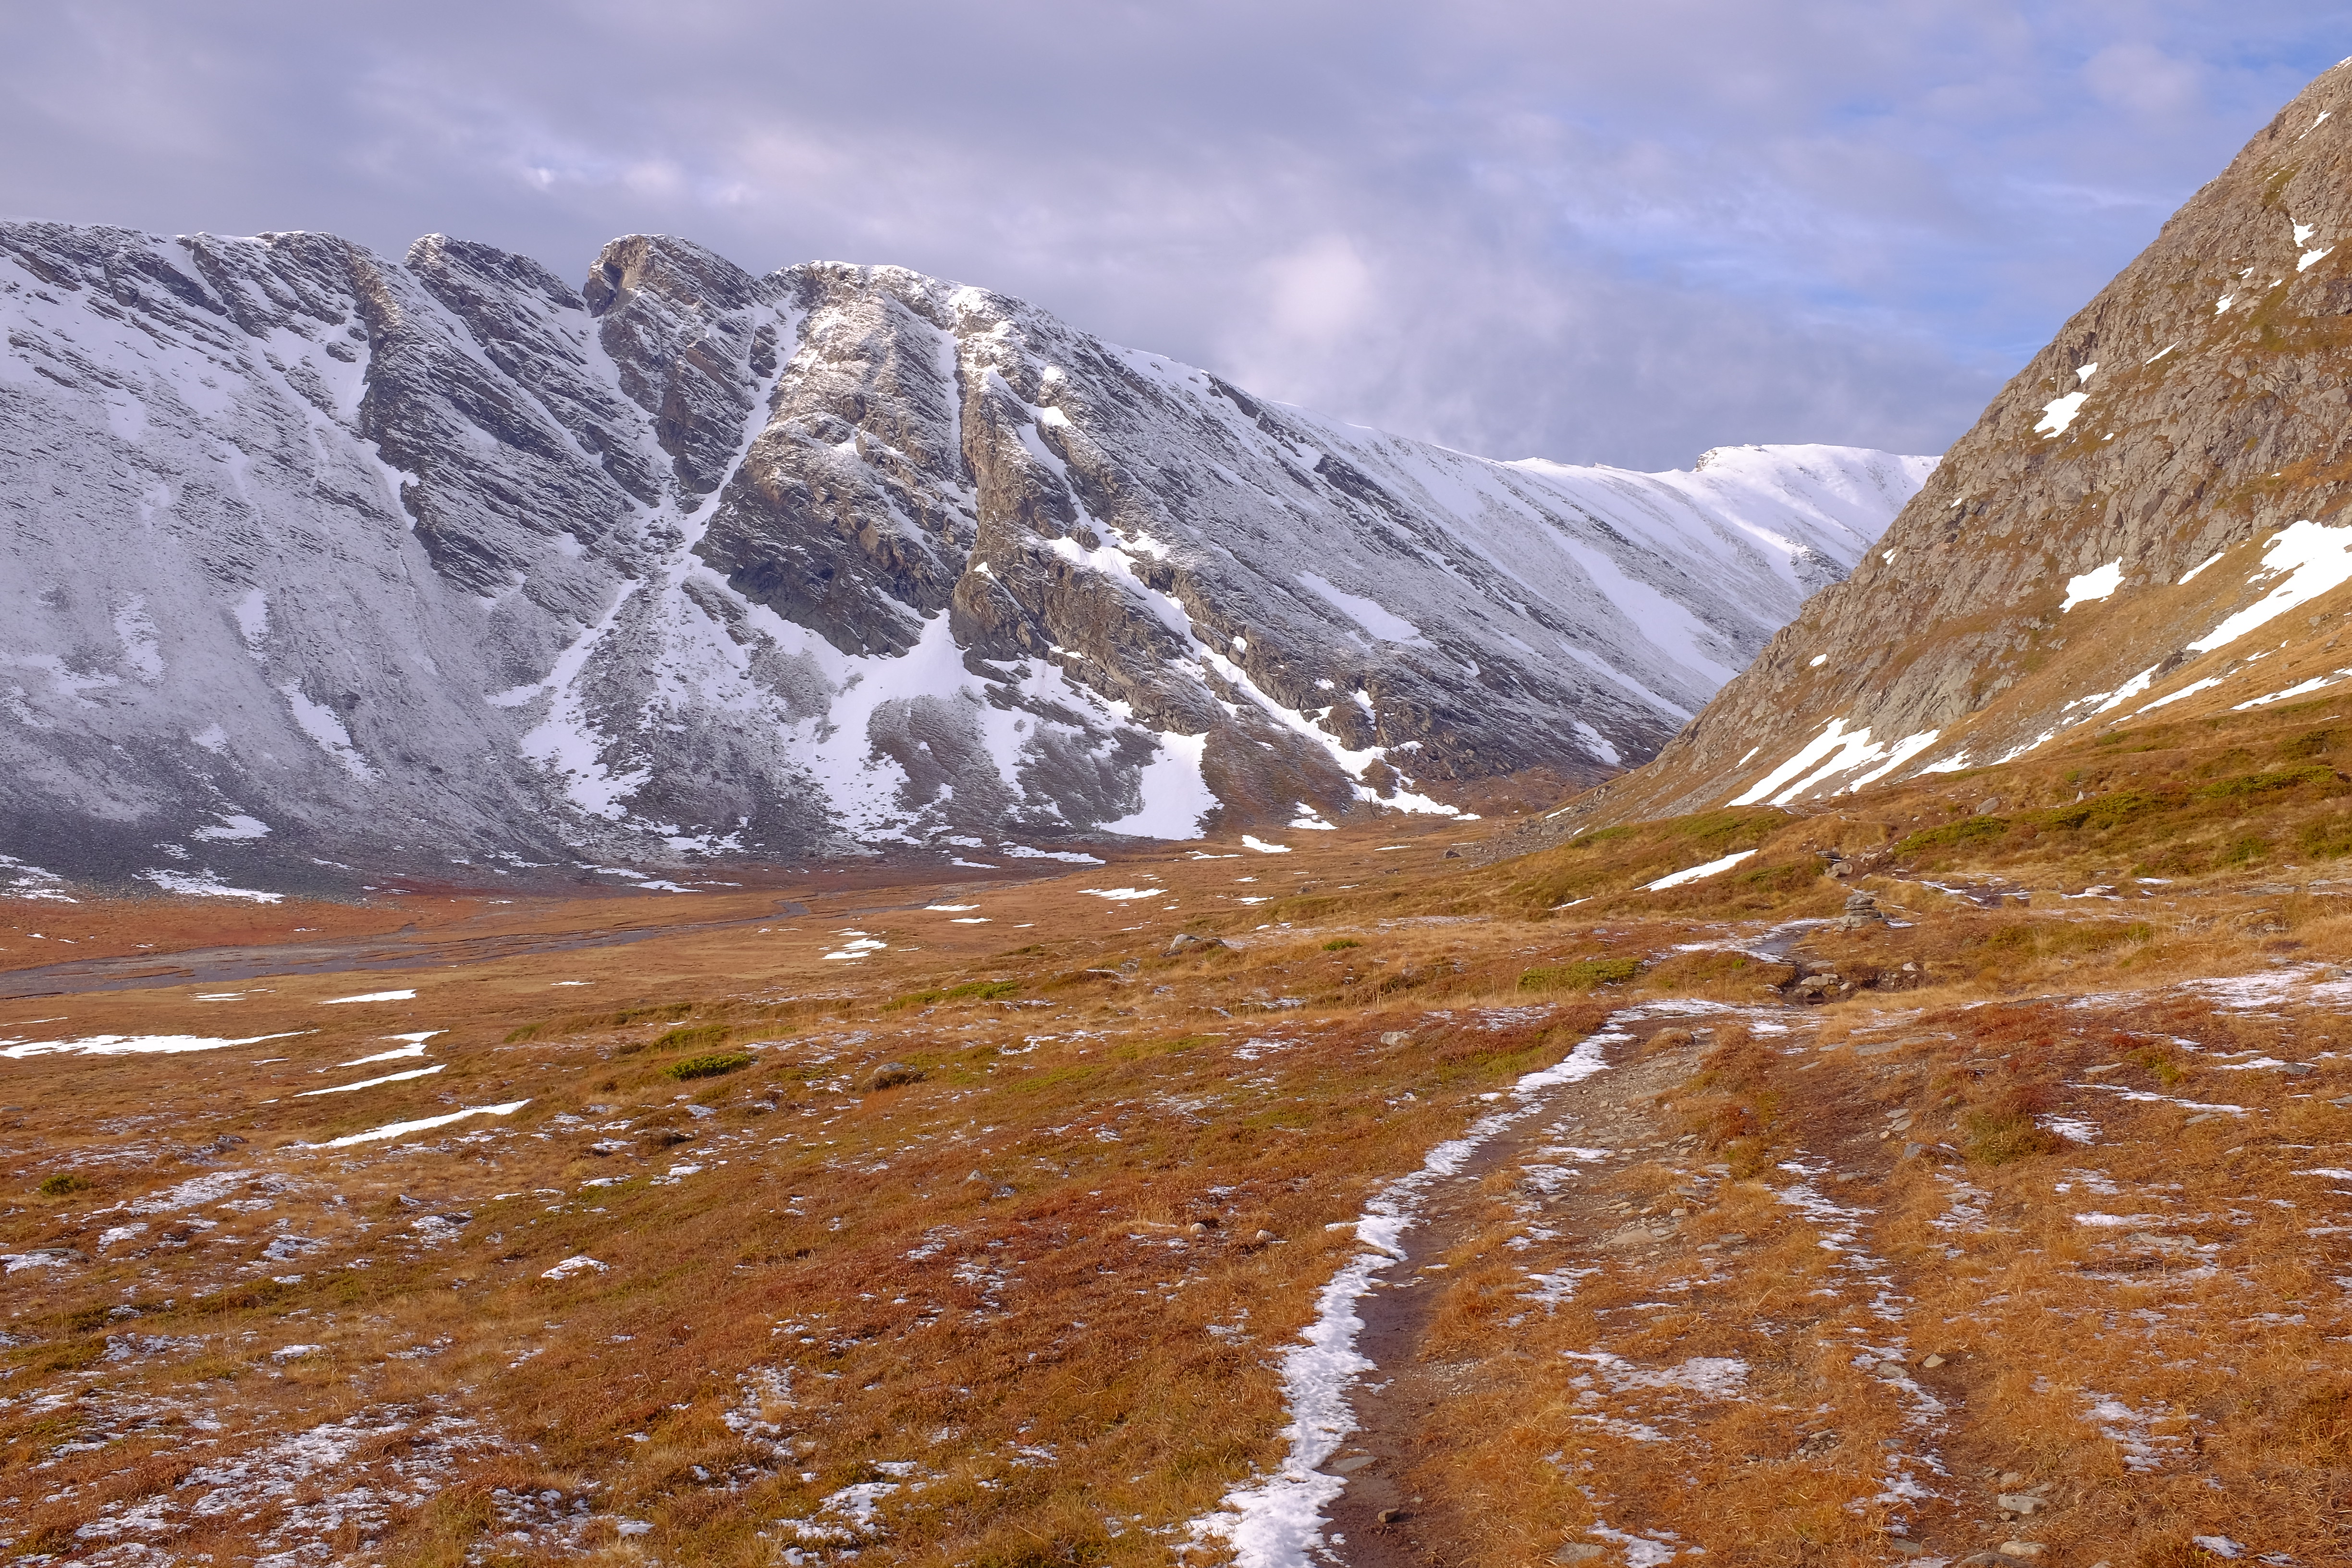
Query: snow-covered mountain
[314, 562]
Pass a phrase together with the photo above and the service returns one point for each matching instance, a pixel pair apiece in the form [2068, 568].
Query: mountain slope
[320, 562]
[2147, 515]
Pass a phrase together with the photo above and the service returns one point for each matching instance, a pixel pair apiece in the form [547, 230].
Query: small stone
[1352, 1463]
[1196, 1228]
[1903, 1546]
[1390, 1515]
[1185, 941]
[2013, 1478]
[2020, 1551]
[1263, 1236]
[2019, 1502]
[1579, 1552]
[1988, 805]
[1932, 1363]
[1396, 1037]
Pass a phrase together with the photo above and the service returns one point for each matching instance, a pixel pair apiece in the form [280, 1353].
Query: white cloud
[2143, 79]
[1318, 291]
[1624, 233]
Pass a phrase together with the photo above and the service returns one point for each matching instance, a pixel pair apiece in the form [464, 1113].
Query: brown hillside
[2212, 417]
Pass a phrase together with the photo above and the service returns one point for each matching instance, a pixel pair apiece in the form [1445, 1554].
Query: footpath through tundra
[1577, 1336]
[983, 1227]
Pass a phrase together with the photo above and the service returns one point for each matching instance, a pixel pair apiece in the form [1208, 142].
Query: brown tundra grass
[1027, 1299]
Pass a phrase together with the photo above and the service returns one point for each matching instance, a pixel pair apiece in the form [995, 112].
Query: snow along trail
[1278, 1522]
[1839, 1229]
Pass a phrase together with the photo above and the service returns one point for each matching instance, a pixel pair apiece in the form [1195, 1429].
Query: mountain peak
[444, 562]
[2053, 571]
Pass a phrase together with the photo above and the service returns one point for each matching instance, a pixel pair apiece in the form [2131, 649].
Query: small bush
[686, 1040]
[1996, 1138]
[2327, 838]
[715, 1064]
[1960, 835]
[1336, 944]
[970, 991]
[2262, 782]
[62, 1184]
[2001, 1126]
[2107, 811]
[1582, 976]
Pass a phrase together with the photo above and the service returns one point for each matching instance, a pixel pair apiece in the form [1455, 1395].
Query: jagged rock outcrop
[319, 563]
[2146, 514]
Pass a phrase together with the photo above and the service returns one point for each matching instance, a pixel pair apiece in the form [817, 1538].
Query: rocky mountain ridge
[321, 564]
[2146, 519]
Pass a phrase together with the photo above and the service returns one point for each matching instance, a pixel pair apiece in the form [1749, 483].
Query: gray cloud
[1584, 231]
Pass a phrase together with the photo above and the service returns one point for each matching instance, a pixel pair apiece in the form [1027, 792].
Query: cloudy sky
[1598, 232]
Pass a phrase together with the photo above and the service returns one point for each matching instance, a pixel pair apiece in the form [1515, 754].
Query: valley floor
[1396, 1218]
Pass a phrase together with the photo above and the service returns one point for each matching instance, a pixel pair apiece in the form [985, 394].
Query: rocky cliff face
[317, 562]
[2147, 515]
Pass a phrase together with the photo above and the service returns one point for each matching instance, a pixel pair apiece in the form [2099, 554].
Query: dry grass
[1000, 1229]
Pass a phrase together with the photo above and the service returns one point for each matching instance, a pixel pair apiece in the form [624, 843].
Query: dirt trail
[1599, 1197]
[1610, 1110]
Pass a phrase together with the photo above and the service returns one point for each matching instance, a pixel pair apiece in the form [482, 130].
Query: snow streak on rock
[443, 561]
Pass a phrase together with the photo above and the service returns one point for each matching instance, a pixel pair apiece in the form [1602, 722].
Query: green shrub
[1338, 943]
[1968, 830]
[1997, 1136]
[2105, 812]
[971, 990]
[2262, 783]
[63, 1182]
[2309, 744]
[686, 1040]
[2327, 838]
[711, 1066]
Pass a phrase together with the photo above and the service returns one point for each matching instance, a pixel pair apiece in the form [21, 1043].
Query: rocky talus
[2148, 514]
